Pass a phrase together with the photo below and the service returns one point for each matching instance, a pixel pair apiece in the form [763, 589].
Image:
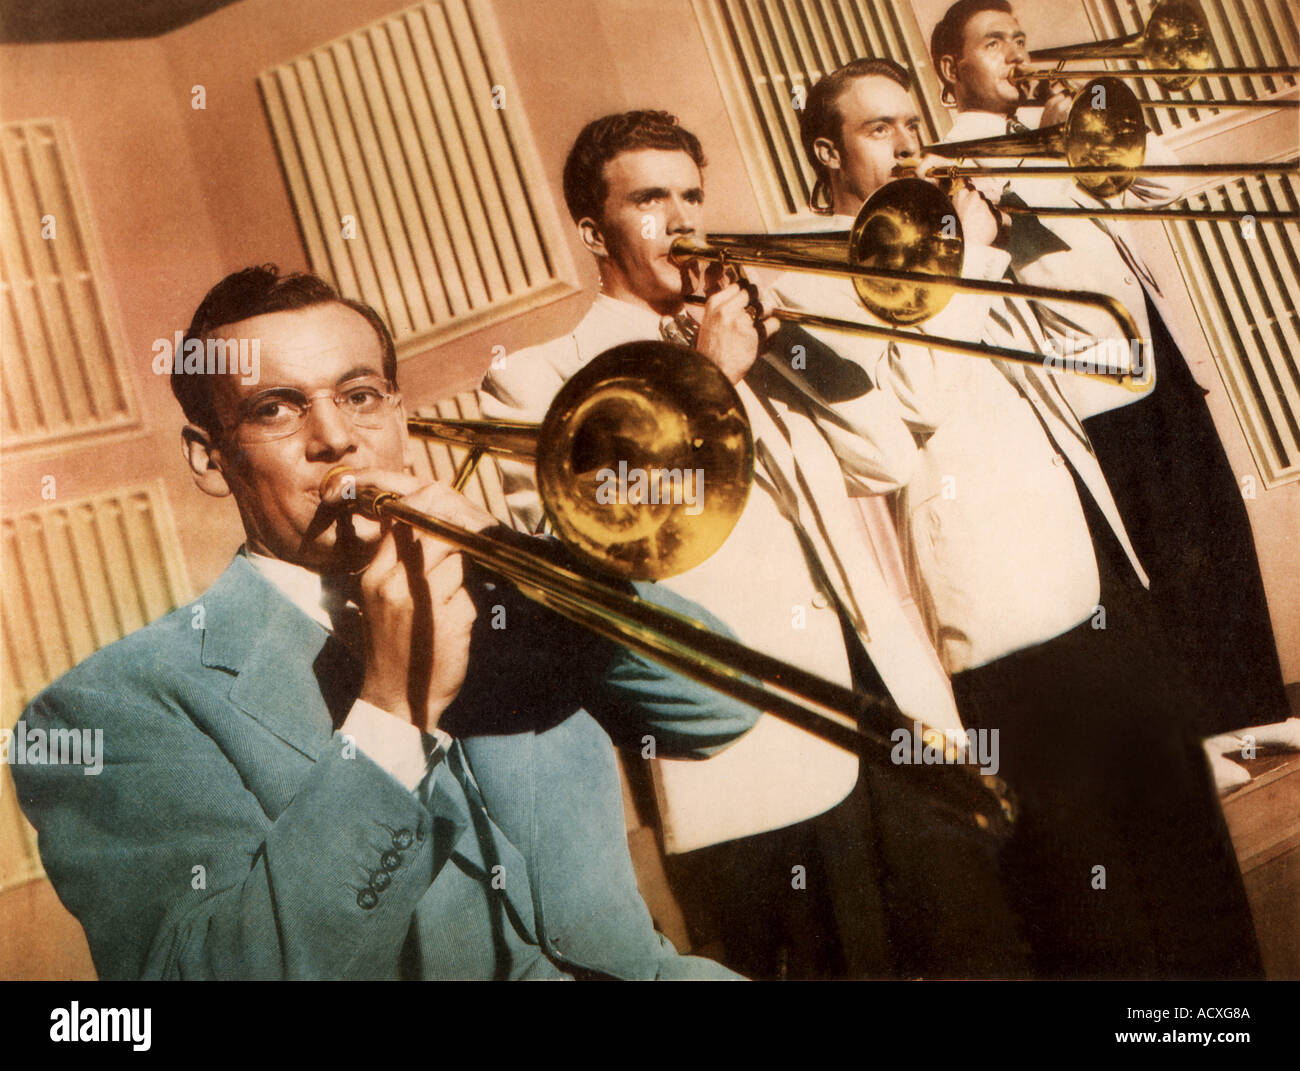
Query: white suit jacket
[1100, 254]
[999, 552]
[761, 585]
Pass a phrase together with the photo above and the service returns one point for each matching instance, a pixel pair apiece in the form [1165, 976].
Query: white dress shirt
[761, 583]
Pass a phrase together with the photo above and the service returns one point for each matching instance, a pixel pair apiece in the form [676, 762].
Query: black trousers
[884, 885]
[1183, 508]
[1120, 865]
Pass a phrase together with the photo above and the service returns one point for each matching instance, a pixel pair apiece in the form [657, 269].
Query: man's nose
[329, 432]
[907, 145]
[680, 217]
[1017, 53]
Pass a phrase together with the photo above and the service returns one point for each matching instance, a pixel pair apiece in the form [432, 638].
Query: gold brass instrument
[1175, 44]
[1165, 76]
[594, 423]
[1104, 148]
[645, 407]
[903, 256]
[1176, 37]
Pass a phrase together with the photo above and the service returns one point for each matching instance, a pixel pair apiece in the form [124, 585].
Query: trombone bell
[645, 460]
[1176, 36]
[906, 225]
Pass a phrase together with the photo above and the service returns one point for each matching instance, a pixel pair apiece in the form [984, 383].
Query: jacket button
[367, 898]
[402, 839]
[390, 860]
[1129, 280]
[820, 601]
[380, 880]
[1058, 460]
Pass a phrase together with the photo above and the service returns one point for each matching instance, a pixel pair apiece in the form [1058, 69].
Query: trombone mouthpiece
[337, 470]
[364, 498]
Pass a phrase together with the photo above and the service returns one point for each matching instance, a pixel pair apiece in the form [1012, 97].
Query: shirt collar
[972, 124]
[296, 583]
[636, 321]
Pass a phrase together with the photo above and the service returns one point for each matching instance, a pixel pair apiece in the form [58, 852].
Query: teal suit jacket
[233, 833]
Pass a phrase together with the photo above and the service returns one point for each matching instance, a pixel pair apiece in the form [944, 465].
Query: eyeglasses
[279, 413]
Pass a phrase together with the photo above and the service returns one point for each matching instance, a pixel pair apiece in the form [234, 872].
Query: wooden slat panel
[300, 191]
[64, 372]
[395, 123]
[518, 244]
[86, 363]
[1246, 291]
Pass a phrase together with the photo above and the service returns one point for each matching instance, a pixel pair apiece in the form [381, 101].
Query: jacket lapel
[482, 846]
[290, 675]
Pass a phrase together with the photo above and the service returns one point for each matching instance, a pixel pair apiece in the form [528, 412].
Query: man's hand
[1056, 108]
[980, 223]
[730, 329]
[416, 611]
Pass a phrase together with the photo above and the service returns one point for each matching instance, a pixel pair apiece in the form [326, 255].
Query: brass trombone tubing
[1220, 102]
[953, 171]
[1214, 215]
[741, 249]
[1040, 74]
[507, 438]
[821, 707]
[1121, 376]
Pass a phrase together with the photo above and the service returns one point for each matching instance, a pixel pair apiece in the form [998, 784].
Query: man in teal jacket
[292, 787]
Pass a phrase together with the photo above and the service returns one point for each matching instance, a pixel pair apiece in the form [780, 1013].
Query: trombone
[694, 413]
[1104, 148]
[903, 256]
[1175, 43]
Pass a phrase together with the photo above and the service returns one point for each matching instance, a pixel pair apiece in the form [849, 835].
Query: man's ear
[589, 231]
[948, 73]
[827, 154]
[204, 461]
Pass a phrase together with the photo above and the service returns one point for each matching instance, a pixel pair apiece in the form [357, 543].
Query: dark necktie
[339, 599]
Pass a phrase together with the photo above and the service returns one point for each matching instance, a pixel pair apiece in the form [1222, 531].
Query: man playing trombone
[809, 863]
[1120, 865]
[352, 756]
[1160, 450]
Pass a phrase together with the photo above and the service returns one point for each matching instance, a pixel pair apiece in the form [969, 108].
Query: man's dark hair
[603, 139]
[254, 292]
[821, 118]
[948, 35]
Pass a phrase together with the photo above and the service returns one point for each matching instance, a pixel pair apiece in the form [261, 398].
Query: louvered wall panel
[76, 576]
[1246, 283]
[1244, 33]
[395, 126]
[763, 50]
[63, 360]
